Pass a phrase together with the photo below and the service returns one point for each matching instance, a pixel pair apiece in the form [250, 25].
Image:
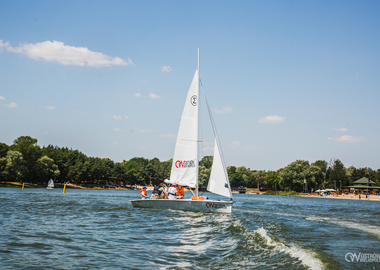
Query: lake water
[99, 229]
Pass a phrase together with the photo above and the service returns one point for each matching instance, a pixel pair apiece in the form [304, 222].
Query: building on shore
[362, 186]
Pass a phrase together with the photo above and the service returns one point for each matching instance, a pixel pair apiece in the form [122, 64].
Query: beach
[346, 197]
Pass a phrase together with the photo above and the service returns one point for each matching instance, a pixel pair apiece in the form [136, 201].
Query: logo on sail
[193, 100]
[184, 163]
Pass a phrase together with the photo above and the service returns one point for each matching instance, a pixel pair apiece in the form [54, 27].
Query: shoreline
[345, 197]
[73, 186]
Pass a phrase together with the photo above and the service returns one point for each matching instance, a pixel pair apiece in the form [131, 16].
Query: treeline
[25, 161]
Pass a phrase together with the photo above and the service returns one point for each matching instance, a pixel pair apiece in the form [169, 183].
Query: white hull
[186, 205]
[49, 188]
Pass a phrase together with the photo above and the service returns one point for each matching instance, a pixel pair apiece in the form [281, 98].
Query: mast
[197, 163]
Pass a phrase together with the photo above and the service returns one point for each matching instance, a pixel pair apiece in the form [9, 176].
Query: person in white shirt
[171, 192]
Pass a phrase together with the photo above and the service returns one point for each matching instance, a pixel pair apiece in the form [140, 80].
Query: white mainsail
[185, 160]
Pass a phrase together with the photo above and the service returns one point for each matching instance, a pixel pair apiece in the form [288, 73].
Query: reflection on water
[98, 229]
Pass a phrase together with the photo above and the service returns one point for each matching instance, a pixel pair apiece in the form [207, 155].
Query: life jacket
[156, 190]
[143, 193]
[180, 191]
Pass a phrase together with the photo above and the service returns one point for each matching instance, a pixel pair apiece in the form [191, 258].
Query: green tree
[203, 176]
[336, 174]
[293, 176]
[350, 173]
[3, 150]
[118, 173]
[153, 171]
[234, 176]
[31, 152]
[271, 179]
[46, 168]
[164, 170]
[257, 179]
[13, 169]
[135, 170]
[206, 161]
[75, 172]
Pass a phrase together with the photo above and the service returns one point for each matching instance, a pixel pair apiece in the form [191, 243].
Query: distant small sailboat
[50, 184]
[186, 161]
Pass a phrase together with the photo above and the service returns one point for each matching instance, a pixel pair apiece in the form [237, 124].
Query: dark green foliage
[206, 162]
[31, 152]
[3, 150]
[26, 161]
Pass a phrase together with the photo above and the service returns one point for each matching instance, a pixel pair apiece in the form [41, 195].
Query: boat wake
[375, 230]
[306, 257]
[262, 250]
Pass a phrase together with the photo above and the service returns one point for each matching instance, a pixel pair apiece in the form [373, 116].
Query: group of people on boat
[162, 192]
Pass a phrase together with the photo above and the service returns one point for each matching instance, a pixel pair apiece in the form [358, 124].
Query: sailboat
[50, 184]
[185, 164]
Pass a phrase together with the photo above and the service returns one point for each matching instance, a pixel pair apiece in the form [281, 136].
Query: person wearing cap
[172, 193]
[180, 194]
[143, 192]
[159, 192]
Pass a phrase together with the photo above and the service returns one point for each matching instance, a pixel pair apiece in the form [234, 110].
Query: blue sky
[286, 80]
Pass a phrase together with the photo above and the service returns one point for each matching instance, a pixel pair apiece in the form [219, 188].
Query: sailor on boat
[180, 194]
[143, 192]
[172, 192]
[159, 192]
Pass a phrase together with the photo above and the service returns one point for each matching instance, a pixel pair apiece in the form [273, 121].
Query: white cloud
[2, 98]
[235, 144]
[154, 96]
[138, 95]
[50, 107]
[224, 110]
[45, 132]
[272, 119]
[208, 149]
[118, 129]
[238, 145]
[348, 139]
[56, 51]
[114, 142]
[3, 45]
[171, 136]
[116, 117]
[166, 69]
[340, 129]
[10, 105]
[146, 131]
[126, 117]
